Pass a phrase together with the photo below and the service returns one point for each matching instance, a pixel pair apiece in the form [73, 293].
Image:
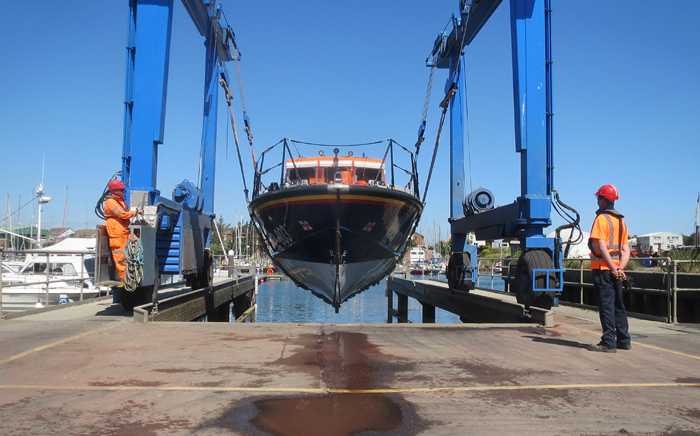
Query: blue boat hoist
[538, 271]
[174, 233]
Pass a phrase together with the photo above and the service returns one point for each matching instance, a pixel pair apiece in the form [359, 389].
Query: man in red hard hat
[118, 218]
[610, 253]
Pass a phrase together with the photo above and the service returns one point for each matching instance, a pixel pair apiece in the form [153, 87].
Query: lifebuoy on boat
[270, 271]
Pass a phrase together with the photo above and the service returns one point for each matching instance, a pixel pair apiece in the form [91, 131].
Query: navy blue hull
[336, 240]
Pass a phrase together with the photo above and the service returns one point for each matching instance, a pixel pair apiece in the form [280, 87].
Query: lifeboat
[334, 225]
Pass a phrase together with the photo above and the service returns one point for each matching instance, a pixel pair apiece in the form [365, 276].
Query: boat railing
[84, 276]
[286, 179]
[233, 266]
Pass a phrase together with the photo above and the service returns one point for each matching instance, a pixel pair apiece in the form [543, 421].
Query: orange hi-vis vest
[118, 214]
[610, 228]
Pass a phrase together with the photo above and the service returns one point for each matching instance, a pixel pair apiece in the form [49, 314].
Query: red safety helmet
[609, 192]
[115, 184]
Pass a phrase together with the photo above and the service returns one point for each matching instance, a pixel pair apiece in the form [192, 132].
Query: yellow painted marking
[646, 346]
[353, 391]
[53, 344]
[161, 388]
[512, 388]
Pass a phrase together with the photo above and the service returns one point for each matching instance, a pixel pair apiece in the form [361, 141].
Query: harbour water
[285, 302]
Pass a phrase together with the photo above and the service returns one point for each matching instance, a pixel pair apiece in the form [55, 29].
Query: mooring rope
[134, 264]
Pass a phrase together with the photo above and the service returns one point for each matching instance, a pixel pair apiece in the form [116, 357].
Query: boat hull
[26, 298]
[336, 240]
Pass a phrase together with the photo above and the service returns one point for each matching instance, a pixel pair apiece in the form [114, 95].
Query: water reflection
[285, 302]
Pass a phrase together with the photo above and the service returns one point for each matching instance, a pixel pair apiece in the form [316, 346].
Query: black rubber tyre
[457, 277]
[535, 259]
[129, 300]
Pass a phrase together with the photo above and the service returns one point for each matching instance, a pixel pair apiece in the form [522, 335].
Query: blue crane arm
[208, 23]
[467, 24]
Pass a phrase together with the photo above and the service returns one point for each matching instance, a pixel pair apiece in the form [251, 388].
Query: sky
[625, 95]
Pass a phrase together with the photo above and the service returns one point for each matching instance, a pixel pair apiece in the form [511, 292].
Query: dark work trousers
[611, 309]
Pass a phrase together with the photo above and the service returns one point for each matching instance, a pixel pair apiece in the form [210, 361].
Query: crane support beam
[181, 226]
[472, 18]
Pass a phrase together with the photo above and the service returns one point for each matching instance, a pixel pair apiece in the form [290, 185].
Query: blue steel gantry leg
[208, 151]
[148, 57]
[461, 274]
[529, 215]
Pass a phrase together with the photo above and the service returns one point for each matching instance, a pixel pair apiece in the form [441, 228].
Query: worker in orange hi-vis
[610, 252]
[118, 218]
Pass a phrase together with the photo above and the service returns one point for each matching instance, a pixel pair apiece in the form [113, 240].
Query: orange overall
[118, 215]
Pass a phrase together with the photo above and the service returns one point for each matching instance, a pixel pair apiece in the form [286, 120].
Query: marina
[294, 378]
[321, 309]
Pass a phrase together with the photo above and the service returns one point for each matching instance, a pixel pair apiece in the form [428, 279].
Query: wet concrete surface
[105, 374]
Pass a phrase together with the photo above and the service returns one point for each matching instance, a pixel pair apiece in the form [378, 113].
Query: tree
[224, 230]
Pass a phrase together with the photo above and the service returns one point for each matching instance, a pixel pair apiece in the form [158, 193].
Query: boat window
[39, 268]
[35, 268]
[65, 269]
[367, 174]
[345, 173]
[304, 174]
[90, 266]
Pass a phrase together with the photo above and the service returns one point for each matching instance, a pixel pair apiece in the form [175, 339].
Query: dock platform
[98, 371]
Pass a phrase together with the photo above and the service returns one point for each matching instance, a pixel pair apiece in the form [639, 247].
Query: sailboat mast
[697, 222]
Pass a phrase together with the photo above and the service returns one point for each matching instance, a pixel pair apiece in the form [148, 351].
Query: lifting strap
[229, 97]
[444, 105]
[421, 129]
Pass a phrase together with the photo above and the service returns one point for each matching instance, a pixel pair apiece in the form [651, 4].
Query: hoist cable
[246, 122]
[437, 143]
[424, 117]
[428, 93]
[229, 97]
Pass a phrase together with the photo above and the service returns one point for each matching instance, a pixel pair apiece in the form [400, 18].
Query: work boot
[601, 348]
[621, 346]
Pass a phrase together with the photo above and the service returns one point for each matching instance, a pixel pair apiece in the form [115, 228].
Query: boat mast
[697, 222]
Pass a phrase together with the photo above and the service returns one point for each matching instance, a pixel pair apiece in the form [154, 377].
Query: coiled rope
[134, 264]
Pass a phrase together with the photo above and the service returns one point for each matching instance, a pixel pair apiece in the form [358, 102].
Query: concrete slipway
[92, 370]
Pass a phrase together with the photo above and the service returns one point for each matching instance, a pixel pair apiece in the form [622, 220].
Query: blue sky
[626, 94]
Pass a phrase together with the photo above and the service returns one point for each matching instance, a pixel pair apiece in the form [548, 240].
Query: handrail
[493, 267]
[46, 283]
[669, 270]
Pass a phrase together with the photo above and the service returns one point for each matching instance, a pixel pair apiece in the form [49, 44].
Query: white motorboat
[68, 277]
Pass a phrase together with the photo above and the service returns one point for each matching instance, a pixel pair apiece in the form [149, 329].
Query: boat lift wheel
[534, 259]
[458, 272]
[127, 299]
